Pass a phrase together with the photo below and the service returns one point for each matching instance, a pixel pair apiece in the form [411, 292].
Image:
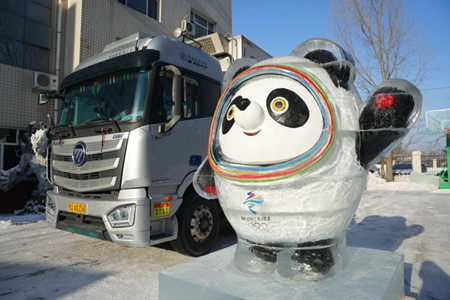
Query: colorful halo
[288, 168]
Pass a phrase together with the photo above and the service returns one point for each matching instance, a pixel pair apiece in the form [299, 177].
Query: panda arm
[386, 117]
[204, 183]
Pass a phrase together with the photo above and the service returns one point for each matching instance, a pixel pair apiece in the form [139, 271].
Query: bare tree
[383, 43]
[419, 139]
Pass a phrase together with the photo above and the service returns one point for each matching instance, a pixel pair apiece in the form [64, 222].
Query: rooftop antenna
[186, 31]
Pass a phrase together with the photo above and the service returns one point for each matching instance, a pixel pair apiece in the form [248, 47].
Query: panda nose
[251, 117]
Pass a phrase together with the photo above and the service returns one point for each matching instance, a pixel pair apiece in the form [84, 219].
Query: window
[25, 27]
[8, 136]
[120, 96]
[202, 26]
[163, 111]
[164, 105]
[10, 151]
[146, 7]
[190, 109]
[199, 98]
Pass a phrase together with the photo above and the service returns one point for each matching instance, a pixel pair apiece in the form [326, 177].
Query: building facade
[54, 36]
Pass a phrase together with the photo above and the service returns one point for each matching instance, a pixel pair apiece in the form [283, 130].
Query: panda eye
[279, 105]
[230, 113]
[287, 108]
[228, 120]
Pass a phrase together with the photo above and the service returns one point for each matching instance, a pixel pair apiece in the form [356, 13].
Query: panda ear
[339, 65]
[236, 68]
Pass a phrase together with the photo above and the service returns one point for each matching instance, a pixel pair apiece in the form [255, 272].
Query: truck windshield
[119, 96]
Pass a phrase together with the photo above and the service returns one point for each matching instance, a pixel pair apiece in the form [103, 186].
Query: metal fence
[434, 163]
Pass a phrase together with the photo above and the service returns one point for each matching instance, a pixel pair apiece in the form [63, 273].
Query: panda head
[274, 119]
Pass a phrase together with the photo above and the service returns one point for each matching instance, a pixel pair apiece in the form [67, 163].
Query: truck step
[161, 238]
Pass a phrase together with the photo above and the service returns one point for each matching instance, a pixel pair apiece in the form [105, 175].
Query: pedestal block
[369, 274]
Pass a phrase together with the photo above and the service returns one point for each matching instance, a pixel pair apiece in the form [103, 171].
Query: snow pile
[39, 142]
[5, 224]
[10, 220]
[374, 182]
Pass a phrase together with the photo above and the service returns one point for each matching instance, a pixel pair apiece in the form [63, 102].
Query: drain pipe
[58, 57]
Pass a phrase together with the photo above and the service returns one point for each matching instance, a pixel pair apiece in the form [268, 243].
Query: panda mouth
[252, 133]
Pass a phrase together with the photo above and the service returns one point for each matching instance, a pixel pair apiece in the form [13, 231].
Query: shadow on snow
[388, 233]
[39, 281]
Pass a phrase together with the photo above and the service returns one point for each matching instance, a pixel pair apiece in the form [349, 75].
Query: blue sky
[278, 29]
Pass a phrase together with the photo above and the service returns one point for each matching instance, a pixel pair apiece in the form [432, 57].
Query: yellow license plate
[77, 208]
[161, 210]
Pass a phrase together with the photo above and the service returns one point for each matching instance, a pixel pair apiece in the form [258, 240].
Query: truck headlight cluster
[122, 216]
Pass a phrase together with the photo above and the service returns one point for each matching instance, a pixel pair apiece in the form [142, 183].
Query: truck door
[176, 151]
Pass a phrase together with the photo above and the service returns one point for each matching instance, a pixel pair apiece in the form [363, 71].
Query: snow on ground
[411, 218]
[403, 183]
[38, 262]
[8, 220]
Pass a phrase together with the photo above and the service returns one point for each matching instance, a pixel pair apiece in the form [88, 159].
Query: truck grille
[101, 171]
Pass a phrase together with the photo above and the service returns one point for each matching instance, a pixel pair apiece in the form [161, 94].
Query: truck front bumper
[92, 219]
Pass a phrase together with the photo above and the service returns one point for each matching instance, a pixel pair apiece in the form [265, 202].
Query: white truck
[133, 129]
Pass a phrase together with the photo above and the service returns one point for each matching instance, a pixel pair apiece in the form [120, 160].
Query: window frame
[149, 4]
[3, 144]
[209, 28]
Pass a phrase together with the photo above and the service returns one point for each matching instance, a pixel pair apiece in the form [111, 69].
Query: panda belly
[306, 209]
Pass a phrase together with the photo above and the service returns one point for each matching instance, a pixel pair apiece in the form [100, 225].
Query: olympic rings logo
[258, 225]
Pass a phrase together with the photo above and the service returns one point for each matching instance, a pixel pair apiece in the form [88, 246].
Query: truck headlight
[122, 216]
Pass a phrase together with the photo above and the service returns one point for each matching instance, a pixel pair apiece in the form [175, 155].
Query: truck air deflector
[144, 58]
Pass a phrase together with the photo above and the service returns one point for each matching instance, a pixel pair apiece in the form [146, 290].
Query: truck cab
[133, 128]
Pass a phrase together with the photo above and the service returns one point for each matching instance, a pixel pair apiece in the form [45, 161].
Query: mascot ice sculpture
[289, 149]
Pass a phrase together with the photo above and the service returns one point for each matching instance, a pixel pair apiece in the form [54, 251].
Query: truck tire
[198, 225]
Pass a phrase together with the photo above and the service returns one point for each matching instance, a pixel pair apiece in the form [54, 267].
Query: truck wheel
[198, 225]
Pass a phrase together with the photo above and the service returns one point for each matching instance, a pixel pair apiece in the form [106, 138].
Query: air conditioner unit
[212, 44]
[44, 82]
[187, 28]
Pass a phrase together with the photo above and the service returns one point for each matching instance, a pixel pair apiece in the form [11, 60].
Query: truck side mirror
[176, 97]
[43, 98]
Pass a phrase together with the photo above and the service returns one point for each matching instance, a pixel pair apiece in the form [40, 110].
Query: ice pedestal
[369, 274]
